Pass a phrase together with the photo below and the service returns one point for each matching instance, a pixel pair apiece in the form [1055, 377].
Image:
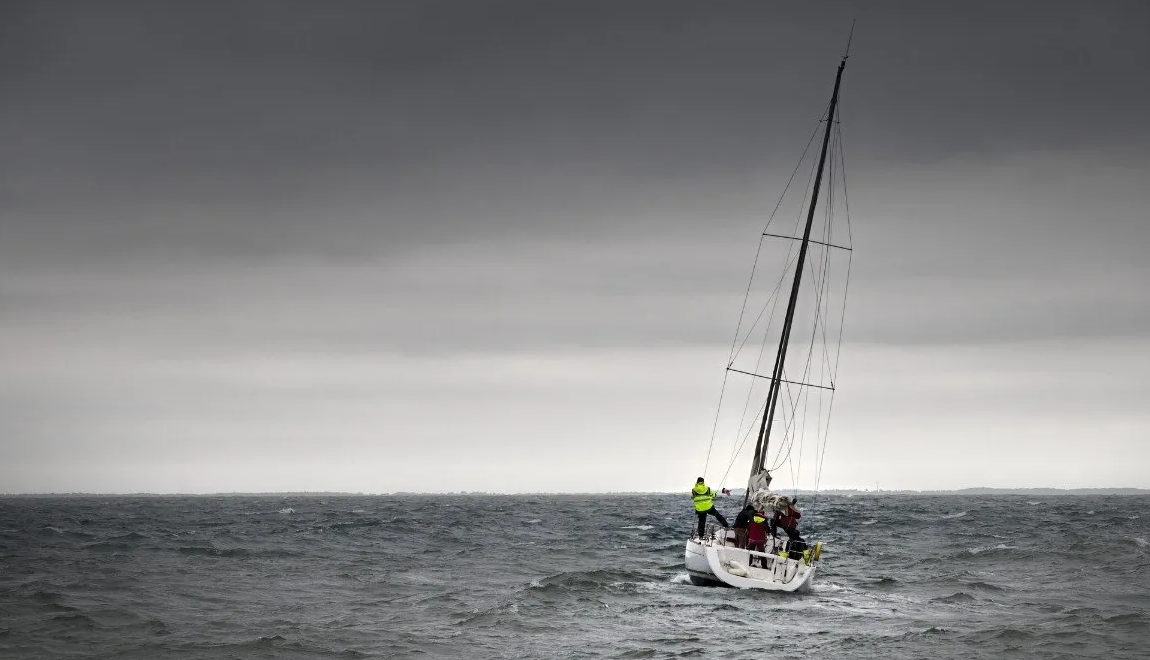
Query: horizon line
[1117, 490]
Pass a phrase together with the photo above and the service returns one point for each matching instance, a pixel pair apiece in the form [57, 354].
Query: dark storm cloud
[215, 127]
[246, 226]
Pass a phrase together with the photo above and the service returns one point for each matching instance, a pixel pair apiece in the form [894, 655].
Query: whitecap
[680, 578]
[869, 522]
[639, 527]
[1032, 503]
[1000, 546]
[955, 515]
[1141, 542]
[533, 521]
[287, 510]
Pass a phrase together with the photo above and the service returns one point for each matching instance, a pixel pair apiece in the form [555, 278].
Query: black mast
[785, 337]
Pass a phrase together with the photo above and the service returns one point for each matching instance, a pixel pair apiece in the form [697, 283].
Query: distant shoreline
[807, 493]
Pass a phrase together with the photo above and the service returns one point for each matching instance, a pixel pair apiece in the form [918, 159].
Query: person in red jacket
[787, 519]
[757, 536]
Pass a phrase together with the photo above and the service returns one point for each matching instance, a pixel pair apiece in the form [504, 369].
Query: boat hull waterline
[711, 562]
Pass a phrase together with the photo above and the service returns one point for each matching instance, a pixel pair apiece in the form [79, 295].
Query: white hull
[713, 562]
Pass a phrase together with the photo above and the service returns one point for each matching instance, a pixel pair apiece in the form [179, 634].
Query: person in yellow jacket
[704, 497]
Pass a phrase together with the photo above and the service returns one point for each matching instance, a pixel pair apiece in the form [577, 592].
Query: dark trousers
[795, 542]
[740, 537]
[703, 518]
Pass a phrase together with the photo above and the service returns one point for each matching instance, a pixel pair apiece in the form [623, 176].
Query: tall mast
[785, 337]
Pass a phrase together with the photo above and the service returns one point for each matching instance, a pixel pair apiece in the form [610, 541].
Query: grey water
[563, 576]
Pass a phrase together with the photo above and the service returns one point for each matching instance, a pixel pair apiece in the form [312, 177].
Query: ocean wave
[885, 582]
[991, 548]
[438, 586]
[1129, 619]
[233, 553]
[591, 582]
[639, 527]
[353, 524]
[56, 532]
[75, 620]
[958, 597]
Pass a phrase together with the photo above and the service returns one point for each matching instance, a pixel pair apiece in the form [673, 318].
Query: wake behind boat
[750, 558]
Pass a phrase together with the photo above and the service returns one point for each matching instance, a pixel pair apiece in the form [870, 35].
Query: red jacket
[788, 519]
[757, 529]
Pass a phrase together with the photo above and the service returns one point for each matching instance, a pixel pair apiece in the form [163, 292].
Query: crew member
[787, 519]
[757, 536]
[703, 497]
[740, 526]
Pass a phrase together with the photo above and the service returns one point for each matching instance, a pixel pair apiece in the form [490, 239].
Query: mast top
[850, 35]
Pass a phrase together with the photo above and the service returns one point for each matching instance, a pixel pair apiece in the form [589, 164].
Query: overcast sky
[381, 246]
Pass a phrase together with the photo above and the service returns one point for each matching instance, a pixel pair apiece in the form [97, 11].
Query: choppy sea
[563, 576]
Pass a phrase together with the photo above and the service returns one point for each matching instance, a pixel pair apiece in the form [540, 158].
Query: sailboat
[714, 557]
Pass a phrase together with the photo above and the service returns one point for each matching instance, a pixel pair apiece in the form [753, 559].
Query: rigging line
[825, 361]
[820, 298]
[763, 310]
[822, 311]
[738, 449]
[789, 382]
[838, 352]
[746, 297]
[808, 190]
[789, 432]
[759, 360]
[798, 238]
[825, 280]
[822, 275]
[818, 436]
[827, 227]
[792, 257]
[826, 436]
[788, 441]
[804, 397]
[842, 323]
[826, 117]
[794, 402]
[793, 173]
[737, 446]
[843, 175]
[714, 428]
[746, 294]
[840, 151]
[759, 249]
